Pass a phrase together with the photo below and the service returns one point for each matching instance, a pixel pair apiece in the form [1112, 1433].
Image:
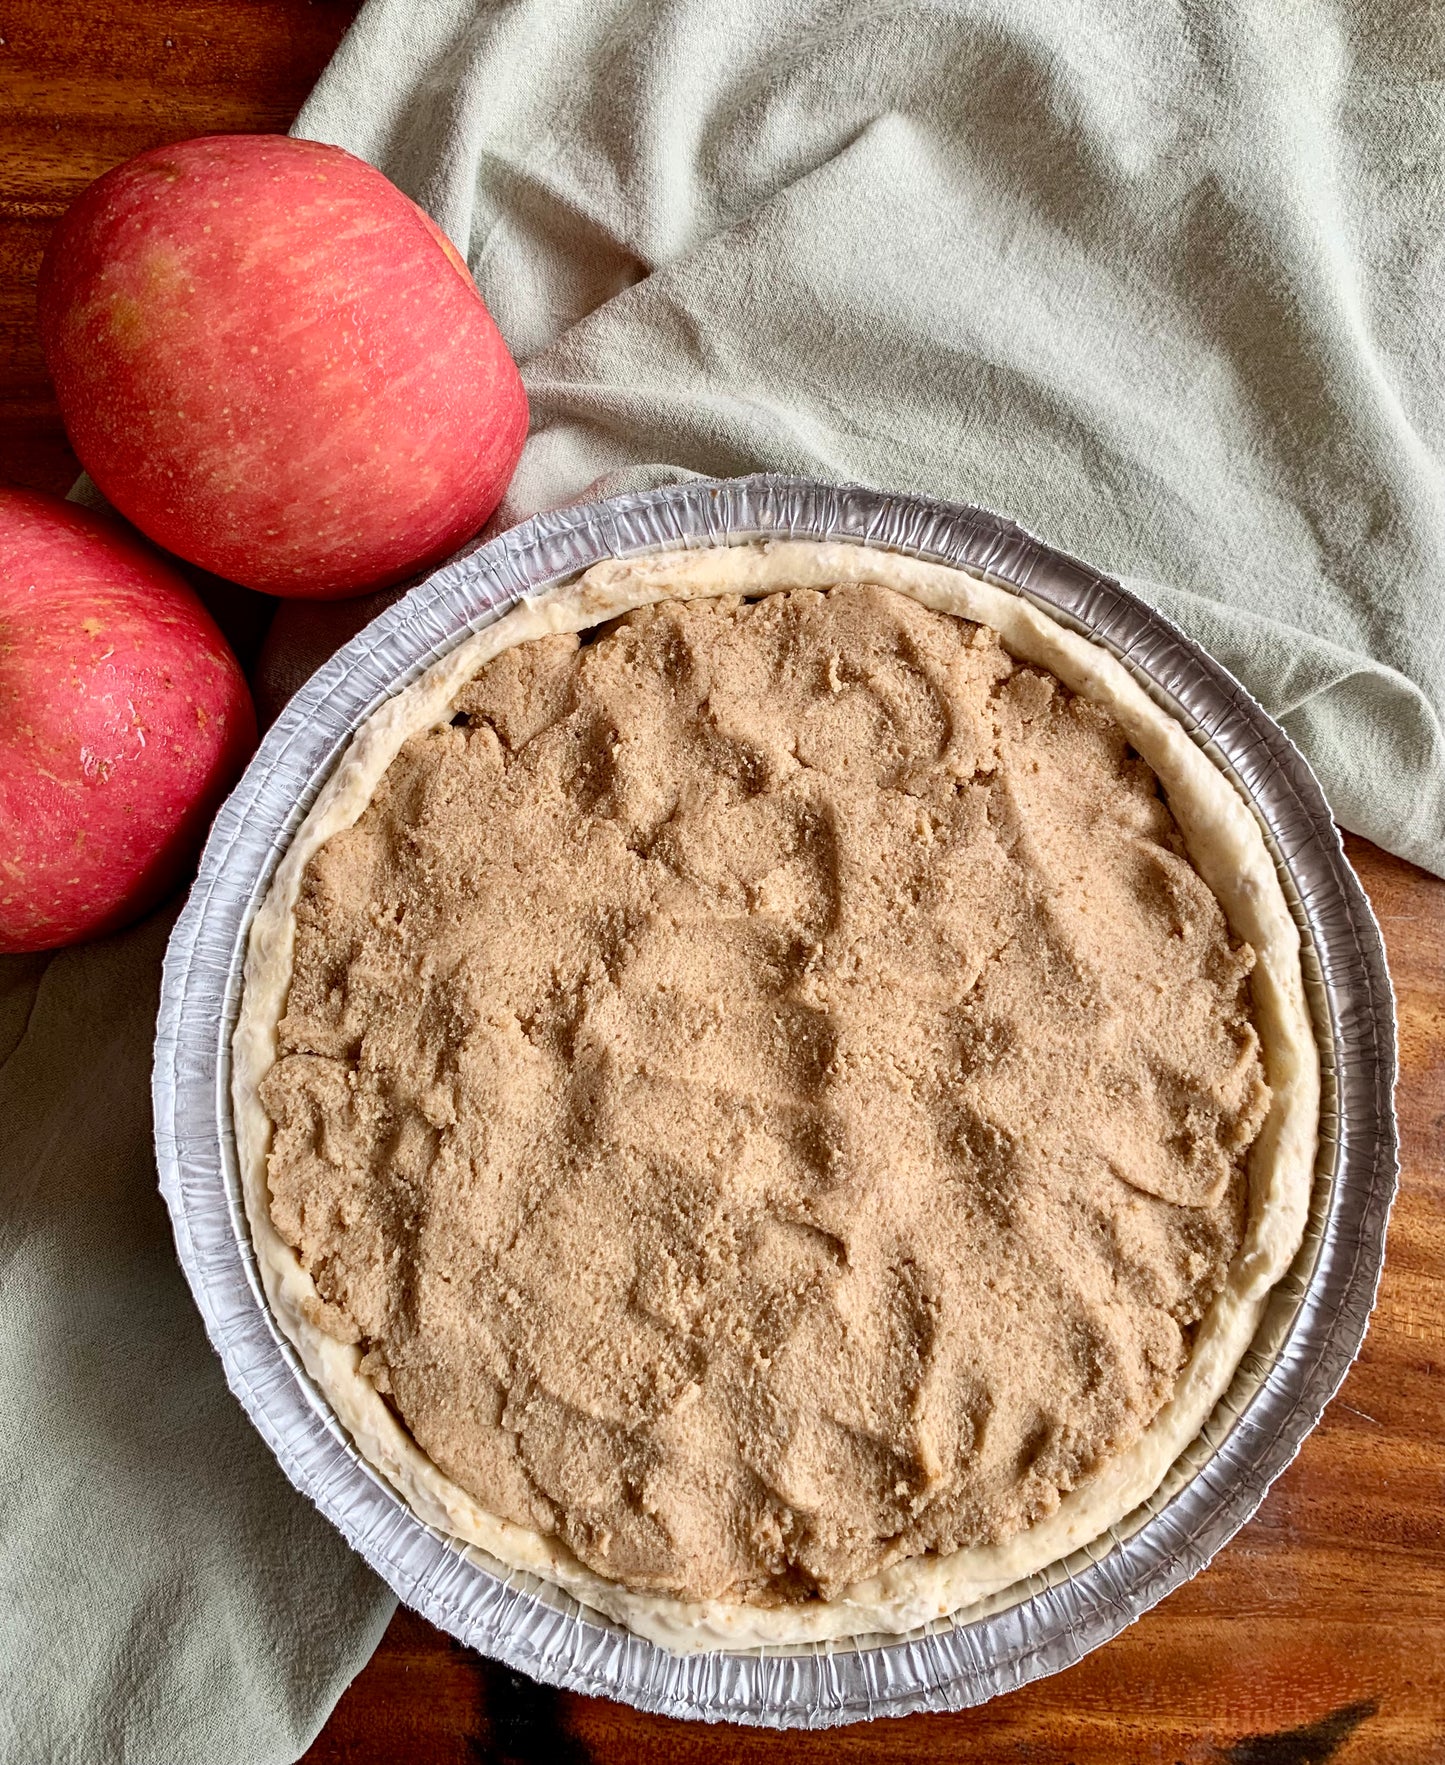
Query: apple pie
[772, 1089]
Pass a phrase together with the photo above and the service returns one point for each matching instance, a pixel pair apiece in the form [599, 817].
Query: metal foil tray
[1305, 1345]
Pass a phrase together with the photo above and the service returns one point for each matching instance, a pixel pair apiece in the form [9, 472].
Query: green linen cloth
[1164, 282]
[166, 1597]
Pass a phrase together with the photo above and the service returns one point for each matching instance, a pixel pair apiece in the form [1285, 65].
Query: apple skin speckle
[277, 366]
[124, 718]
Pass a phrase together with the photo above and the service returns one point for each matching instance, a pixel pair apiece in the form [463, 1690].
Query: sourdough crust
[1227, 848]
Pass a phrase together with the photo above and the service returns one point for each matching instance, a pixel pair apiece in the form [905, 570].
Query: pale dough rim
[1228, 849]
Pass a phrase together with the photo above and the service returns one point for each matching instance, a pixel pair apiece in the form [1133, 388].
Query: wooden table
[1318, 1634]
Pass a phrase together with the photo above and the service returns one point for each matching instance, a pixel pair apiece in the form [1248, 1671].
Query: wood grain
[1318, 1634]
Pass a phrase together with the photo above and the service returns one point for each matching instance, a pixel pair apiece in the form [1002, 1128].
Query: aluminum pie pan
[1305, 1344]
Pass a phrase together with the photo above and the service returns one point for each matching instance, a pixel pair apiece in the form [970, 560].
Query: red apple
[124, 718]
[277, 366]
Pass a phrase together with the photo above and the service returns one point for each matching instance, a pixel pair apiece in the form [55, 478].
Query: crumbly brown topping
[767, 1090]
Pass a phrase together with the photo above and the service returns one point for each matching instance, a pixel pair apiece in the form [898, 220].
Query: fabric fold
[165, 1595]
[1161, 287]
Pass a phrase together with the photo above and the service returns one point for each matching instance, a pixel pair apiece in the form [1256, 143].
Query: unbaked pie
[755, 1108]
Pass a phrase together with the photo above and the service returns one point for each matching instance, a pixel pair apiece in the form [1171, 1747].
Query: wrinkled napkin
[166, 1597]
[1166, 284]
